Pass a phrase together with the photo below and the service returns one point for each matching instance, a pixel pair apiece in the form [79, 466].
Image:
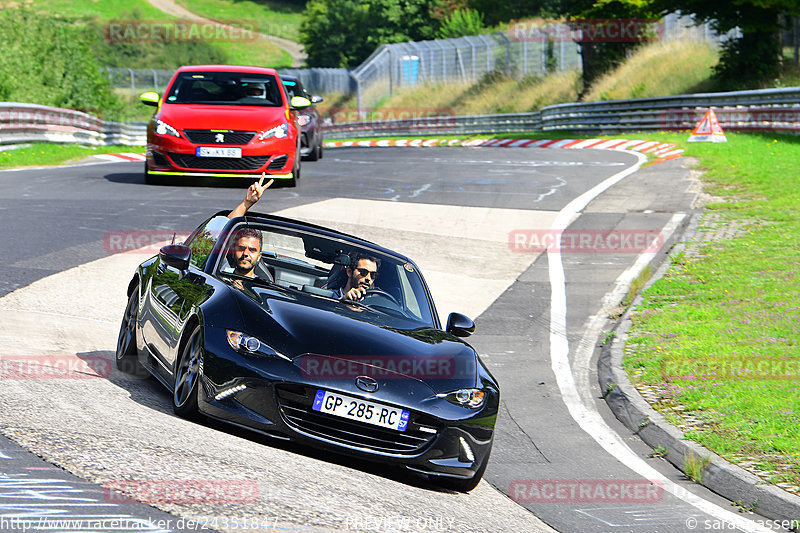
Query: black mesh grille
[295, 403]
[160, 160]
[278, 162]
[252, 162]
[210, 137]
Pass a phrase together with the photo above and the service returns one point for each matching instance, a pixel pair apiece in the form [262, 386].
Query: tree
[754, 57]
[460, 23]
[603, 45]
[335, 32]
[342, 33]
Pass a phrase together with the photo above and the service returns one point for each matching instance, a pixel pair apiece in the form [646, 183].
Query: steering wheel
[378, 292]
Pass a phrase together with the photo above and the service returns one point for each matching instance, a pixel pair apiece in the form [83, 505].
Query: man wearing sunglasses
[360, 277]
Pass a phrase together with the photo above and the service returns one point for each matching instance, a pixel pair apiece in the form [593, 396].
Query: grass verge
[45, 154]
[717, 337]
[271, 17]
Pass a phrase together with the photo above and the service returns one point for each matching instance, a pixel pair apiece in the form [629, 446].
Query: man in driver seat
[360, 277]
[255, 90]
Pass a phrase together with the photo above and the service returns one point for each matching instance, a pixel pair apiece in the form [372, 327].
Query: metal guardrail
[23, 123]
[775, 110]
[762, 110]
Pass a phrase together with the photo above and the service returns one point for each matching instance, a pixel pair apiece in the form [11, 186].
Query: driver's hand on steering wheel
[356, 293]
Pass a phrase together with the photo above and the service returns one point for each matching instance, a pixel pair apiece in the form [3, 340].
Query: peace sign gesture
[255, 190]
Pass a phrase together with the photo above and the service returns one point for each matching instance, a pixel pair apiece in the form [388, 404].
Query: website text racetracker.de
[132, 524]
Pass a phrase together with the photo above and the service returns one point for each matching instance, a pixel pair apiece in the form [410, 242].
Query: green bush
[51, 61]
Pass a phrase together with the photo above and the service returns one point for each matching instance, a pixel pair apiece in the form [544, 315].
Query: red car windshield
[225, 88]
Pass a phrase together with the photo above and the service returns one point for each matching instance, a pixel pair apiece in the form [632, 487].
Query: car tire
[127, 356]
[149, 178]
[313, 155]
[319, 150]
[187, 376]
[295, 173]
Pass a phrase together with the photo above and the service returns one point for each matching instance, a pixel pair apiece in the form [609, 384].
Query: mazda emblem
[366, 383]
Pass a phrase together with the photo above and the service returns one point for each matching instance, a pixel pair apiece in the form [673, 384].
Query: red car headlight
[162, 128]
[279, 132]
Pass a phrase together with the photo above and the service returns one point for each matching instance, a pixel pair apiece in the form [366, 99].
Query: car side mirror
[460, 325]
[176, 255]
[315, 99]
[298, 102]
[149, 98]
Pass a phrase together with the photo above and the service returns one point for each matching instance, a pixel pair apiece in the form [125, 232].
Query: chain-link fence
[323, 80]
[463, 60]
[139, 80]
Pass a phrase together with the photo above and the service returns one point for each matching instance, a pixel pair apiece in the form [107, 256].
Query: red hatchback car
[224, 121]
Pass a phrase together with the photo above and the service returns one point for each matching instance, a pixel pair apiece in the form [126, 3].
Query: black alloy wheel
[187, 374]
[127, 357]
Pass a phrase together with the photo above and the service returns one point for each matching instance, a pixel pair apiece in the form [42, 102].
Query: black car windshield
[314, 268]
[225, 88]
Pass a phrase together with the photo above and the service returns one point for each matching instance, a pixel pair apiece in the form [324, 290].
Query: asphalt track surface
[558, 451]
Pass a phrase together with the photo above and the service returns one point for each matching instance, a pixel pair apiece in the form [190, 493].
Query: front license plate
[361, 410]
[213, 151]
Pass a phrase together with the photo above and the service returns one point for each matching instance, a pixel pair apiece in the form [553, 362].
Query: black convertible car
[279, 354]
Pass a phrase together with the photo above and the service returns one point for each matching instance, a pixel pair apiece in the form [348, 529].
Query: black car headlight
[243, 343]
[472, 398]
[304, 120]
[162, 128]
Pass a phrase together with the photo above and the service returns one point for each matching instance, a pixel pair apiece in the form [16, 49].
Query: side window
[204, 238]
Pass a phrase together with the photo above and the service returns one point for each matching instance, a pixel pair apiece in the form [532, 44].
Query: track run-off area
[477, 221]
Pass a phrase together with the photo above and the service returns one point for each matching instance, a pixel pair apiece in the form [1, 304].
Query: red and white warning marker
[124, 156]
[708, 130]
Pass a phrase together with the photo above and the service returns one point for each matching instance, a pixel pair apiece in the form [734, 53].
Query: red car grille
[210, 137]
[252, 162]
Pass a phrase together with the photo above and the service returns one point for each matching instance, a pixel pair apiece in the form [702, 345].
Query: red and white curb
[124, 156]
[663, 151]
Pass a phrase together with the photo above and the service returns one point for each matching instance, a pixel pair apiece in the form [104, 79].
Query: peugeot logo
[220, 138]
[366, 383]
